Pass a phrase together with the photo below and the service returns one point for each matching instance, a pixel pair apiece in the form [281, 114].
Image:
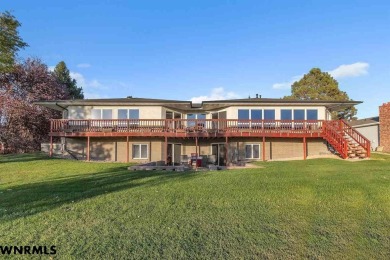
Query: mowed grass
[317, 209]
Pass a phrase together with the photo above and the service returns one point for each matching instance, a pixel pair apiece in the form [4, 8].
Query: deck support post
[51, 146]
[127, 149]
[88, 148]
[150, 151]
[263, 148]
[227, 151]
[238, 151]
[166, 150]
[304, 148]
[196, 152]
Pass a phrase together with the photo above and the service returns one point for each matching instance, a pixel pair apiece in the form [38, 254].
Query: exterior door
[214, 124]
[173, 124]
[178, 123]
[222, 124]
[174, 154]
[218, 152]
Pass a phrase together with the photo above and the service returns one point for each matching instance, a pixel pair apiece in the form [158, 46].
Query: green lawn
[317, 209]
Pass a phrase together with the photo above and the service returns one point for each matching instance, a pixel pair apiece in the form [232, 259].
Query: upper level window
[256, 114]
[253, 114]
[101, 113]
[106, 113]
[286, 114]
[128, 113]
[201, 116]
[312, 114]
[269, 114]
[299, 114]
[193, 117]
[196, 116]
[243, 114]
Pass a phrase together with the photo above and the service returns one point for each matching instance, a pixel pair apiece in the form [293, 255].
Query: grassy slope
[303, 209]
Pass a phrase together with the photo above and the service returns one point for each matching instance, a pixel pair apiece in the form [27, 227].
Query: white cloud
[83, 65]
[343, 71]
[287, 84]
[350, 70]
[216, 94]
[86, 84]
[90, 87]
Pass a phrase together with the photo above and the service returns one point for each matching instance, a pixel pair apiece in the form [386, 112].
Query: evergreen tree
[318, 85]
[10, 41]
[63, 76]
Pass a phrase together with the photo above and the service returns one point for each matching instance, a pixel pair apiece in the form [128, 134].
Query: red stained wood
[334, 131]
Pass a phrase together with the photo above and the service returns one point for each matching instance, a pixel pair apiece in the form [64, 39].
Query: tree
[23, 125]
[63, 77]
[10, 41]
[318, 85]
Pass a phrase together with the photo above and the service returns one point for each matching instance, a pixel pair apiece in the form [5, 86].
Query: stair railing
[355, 135]
[333, 135]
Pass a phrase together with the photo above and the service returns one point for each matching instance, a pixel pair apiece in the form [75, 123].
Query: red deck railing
[191, 126]
[334, 131]
[334, 136]
[358, 137]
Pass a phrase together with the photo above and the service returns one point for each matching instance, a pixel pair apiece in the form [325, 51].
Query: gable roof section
[188, 105]
[365, 122]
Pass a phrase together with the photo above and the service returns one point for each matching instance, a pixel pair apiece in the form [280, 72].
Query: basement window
[140, 151]
[252, 151]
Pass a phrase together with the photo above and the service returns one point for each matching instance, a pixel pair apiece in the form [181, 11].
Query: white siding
[232, 112]
[145, 112]
[158, 112]
[371, 132]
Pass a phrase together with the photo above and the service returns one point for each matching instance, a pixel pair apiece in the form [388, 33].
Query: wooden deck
[183, 128]
[338, 133]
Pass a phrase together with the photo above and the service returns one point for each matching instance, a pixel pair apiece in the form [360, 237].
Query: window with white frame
[252, 151]
[128, 113]
[299, 114]
[250, 114]
[193, 117]
[101, 113]
[140, 151]
[312, 114]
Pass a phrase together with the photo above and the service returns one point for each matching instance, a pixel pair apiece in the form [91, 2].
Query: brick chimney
[384, 126]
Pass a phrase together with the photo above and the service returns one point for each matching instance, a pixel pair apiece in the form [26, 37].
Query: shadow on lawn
[33, 198]
[27, 157]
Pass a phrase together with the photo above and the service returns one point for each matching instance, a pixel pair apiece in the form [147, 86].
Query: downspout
[64, 108]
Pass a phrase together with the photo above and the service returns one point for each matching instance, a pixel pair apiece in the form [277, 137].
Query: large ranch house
[221, 132]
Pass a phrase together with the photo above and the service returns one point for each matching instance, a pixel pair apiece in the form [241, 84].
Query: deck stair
[355, 150]
[345, 140]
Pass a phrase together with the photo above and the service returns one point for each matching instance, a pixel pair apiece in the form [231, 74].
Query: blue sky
[211, 49]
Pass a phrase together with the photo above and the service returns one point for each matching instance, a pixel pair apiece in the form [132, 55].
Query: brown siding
[114, 149]
[384, 128]
[316, 147]
[283, 148]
